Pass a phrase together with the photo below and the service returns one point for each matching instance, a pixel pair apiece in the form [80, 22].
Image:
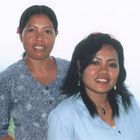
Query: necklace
[102, 109]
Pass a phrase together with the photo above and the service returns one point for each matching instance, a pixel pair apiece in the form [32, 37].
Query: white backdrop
[78, 18]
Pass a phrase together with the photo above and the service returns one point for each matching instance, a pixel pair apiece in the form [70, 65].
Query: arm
[7, 137]
[4, 107]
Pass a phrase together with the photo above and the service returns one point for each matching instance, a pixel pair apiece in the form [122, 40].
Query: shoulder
[65, 109]
[62, 119]
[65, 106]
[12, 70]
[62, 116]
[62, 67]
[135, 106]
[62, 62]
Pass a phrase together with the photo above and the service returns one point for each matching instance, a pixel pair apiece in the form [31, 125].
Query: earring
[79, 74]
[78, 83]
[79, 77]
[115, 87]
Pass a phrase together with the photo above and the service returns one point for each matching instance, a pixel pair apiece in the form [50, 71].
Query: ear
[56, 33]
[79, 68]
[20, 36]
[78, 65]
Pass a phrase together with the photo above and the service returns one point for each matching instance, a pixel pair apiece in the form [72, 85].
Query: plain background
[78, 18]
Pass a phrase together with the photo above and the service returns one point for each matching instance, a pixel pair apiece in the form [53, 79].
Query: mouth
[102, 80]
[39, 48]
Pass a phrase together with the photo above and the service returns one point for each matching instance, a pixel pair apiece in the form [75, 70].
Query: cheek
[115, 76]
[50, 41]
[88, 76]
[27, 40]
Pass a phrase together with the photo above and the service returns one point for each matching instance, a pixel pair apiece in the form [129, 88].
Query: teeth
[39, 47]
[102, 80]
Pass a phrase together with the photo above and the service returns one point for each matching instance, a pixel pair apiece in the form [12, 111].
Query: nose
[40, 36]
[103, 69]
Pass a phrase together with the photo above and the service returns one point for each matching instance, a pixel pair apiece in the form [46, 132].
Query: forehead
[107, 51]
[39, 18]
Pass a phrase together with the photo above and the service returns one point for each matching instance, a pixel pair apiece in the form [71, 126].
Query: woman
[29, 89]
[99, 105]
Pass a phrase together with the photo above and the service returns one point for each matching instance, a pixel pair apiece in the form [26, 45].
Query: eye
[48, 31]
[113, 65]
[30, 30]
[95, 62]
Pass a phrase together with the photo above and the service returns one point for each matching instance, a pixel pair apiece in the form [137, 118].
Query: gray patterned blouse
[27, 101]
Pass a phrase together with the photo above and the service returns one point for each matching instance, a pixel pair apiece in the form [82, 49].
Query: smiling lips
[102, 80]
[39, 48]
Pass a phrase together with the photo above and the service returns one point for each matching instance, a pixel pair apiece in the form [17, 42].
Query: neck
[102, 109]
[98, 99]
[34, 65]
[101, 101]
[42, 70]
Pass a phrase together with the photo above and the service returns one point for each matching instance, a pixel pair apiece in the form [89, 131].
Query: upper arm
[4, 106]
[7, 137]
[60, 126]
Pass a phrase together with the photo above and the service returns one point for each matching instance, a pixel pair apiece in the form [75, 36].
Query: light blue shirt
[71, 121]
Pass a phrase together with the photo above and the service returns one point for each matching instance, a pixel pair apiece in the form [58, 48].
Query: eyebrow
[111, 59]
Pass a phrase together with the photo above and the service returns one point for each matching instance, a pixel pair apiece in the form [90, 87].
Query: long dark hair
[84, 52]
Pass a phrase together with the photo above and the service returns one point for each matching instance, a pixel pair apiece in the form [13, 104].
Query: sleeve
[60, 126]
[136, 108]
[4, 105]
[134, 115]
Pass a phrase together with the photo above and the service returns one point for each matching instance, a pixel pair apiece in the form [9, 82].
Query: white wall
[78, 18]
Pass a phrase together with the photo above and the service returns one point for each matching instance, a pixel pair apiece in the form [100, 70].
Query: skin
[38, 38]
[100, 77]
[8, 137]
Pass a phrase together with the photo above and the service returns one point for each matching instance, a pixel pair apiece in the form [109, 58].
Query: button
[47, 88]
[50, 101]
[119, 132]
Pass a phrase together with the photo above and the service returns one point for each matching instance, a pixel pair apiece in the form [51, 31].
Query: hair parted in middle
[35, 10]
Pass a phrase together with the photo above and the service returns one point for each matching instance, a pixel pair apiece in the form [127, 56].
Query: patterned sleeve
[4, 104]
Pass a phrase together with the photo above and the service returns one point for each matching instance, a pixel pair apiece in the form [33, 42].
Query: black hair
[34, 10]
[84, 52]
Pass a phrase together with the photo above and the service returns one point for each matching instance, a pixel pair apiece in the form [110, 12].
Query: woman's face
[38, 37]
[101, 76]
